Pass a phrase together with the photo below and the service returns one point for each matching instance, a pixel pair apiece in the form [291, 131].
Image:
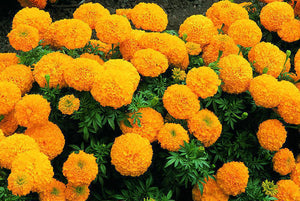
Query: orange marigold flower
[205, 126]
[287, 191]
[264, 90]
[20, 183]
[150, 123]
[233, 177]
[68, 104]
[290, 31]
[32, 110]
[266, 56]
[45, 135]
[149, 16]
[77, 193]
[12, 146]
[20, 75]
[8, 59]
[297, 63]
[54, 191]
[41, 4]
[274, 14]
[198, 29]
[37, 165]
[178, 74]
[10, 94]
[171, 136]
[80, 73]
[113, 29]
[271, 134]
[90, 13]
[9, 123]
[211, 191]
[180, 101]
[149, 62]
[104, 47]
[193, 48]
[289, 109]
[236, 73]
[51, 64]
[220, 42]
[34, 17]
[295, 175]
[203, 81]
[93, 57]
[245, 32]
[283, 161]
[287, 91]
[131, 154]
[81, 168]
[24, 37]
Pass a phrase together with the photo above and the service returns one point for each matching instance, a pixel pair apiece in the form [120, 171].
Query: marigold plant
[283, 161]
[290, 31]
[54, 191]
[289, 110]
[68, 104]
[20, 183]
[77, 193]
[287, 191]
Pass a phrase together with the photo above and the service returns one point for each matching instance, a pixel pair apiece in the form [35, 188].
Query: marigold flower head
[20, 75]
[203, 81]
[297, 63]
[23, 37]
[269, 188]
[287, 91]
[32, 110]
[274, 14]
[271, 134]
[283, 161]
[264, 90]
[113, 29]
[13, 145]
[53, 65]
[149, 16]
[10, 94]
[233, 177]
[80, 73]
[289, 110]
[81, 168]
[54, 191]
[220, 42]
[93, 57]
[295, 175]
[9, 123]
[77, 193]
[149, 62]
[8, 59]
[20, 183]
[171, 136]
[236, 73]
[68, 104]
[104, 47]
[180, 101]
[290, 31]
[198, 29]
[287, 191]
[193, 48]
[178, 74]
[41, 4]
[90, 13]
[205, 126]
[211, 191]
[151, 122]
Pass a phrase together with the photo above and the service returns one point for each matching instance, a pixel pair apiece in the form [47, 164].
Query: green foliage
[31, 57]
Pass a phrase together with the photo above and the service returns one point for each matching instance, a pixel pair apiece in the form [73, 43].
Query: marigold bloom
[289, 110]
[271, 134]
[34, 17]
[287, 191]
[287, 91]
[131, 154]
[198, 28]
[233, 177]
[297, 63]
[149, 16]
[131, 45]
[10, 94]
[203, 81]
[205, 126]
[9, 123]
[150, 124]
[274, 14]
[178, 74]
[193, 48]
[51, 64]
[20, 183]
[81, 168]
[290, 31]
[149, 62]
[90, 13]
[113, 29]
[20, 75]
[68, 104]
[13, 145]
[8, 59]
[54, 191]
[41, 4]
[171, 136]
[283, 161]
[77, 193]
[236, 73]
[104, 47]
[264, 90]
[211, 191]
[220, 42]
[32, 110]
[24, 37]
[93, 57]
[180, 101]
[80, 73]
[295, 175]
